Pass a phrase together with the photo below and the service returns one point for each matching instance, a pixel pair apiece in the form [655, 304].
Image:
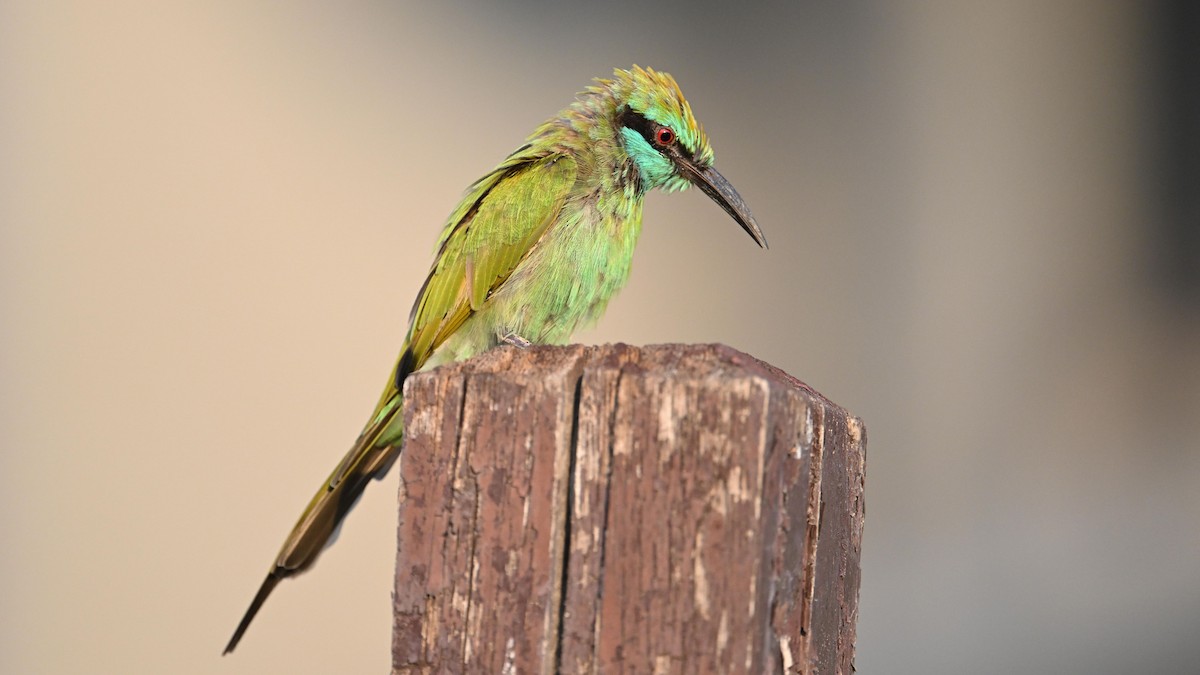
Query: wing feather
[494, 228]
[497, 230]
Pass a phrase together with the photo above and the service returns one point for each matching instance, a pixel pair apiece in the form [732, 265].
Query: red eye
[664, 136]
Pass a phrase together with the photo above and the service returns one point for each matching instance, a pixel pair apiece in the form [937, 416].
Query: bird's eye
[664, 136]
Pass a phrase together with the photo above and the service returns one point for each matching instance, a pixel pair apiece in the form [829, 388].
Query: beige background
[213, 220]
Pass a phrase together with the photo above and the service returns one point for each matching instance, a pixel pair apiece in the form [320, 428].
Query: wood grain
[666, 509]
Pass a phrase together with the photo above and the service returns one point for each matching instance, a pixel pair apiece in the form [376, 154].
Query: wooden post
[667, 509]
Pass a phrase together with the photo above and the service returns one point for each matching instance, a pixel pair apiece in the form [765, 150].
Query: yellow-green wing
[493, 229]
[499, 221]
[492, 235]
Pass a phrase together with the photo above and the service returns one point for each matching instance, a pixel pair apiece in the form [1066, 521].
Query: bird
[535, 250]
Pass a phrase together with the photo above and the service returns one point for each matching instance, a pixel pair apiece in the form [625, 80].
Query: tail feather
[268, 585]
[320, 522]
[373, 454]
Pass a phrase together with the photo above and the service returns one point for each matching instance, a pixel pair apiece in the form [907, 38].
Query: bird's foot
[515, 340]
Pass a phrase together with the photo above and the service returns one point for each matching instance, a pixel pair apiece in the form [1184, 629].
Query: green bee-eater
[535, 250]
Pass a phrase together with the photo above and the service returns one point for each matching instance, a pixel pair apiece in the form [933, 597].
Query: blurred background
[985, 240]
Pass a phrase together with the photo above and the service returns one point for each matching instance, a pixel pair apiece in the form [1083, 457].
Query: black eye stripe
[646, 129]
[639, 123]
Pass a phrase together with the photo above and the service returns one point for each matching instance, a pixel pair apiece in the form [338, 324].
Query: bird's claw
[511, 338]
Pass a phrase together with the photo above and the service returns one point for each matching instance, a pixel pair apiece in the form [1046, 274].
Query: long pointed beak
[721, 192]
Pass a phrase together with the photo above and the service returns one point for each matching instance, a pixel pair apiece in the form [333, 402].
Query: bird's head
[666, 144]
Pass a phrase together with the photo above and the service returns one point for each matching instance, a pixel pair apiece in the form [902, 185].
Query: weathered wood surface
[667, 509]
